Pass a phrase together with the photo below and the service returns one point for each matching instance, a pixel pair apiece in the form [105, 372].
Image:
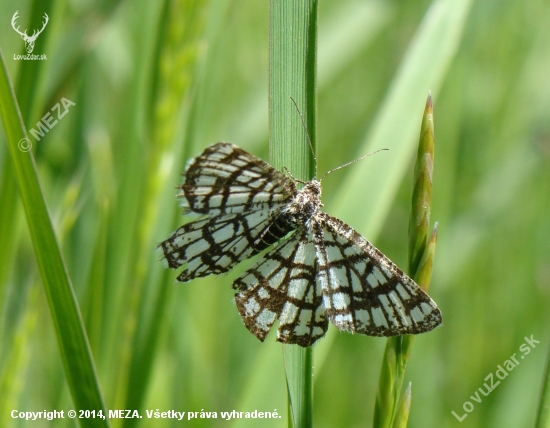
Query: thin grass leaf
[72, 341]
[9, 221]
[292, 74]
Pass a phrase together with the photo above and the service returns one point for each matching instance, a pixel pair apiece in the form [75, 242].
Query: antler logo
[29, 40]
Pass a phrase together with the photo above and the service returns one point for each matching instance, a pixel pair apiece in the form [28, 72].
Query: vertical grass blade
[292, 73]
[388, 410]
[73, 344]
[299, 379]
[292, 69]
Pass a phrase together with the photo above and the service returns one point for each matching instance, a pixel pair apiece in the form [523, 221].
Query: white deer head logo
[29, 41]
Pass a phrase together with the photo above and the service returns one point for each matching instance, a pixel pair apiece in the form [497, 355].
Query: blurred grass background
[155, 83]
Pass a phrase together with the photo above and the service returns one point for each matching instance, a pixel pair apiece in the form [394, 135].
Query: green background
[155, 83]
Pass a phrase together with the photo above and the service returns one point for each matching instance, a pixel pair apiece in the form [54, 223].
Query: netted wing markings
[225, 179]
[363, 291]
[282, 286]
[214, 245]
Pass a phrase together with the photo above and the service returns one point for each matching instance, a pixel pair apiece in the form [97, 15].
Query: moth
[314, 267]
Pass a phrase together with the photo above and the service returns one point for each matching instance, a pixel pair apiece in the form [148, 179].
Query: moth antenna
[291, 176]
[307, 135]
[349, 163]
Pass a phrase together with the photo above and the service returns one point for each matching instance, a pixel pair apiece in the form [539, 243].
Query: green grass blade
[299, 379]
[8, 220]
[72, 341]
[292, 73]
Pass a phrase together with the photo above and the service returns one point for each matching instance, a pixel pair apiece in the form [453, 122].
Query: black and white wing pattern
[315, 268]
[282, 286]
[364, 291]
[225, 179]
[239, 198]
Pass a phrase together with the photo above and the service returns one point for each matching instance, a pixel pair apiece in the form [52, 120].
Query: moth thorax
[307, 200]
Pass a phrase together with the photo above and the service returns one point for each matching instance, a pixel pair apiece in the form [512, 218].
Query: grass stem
[292, 73]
